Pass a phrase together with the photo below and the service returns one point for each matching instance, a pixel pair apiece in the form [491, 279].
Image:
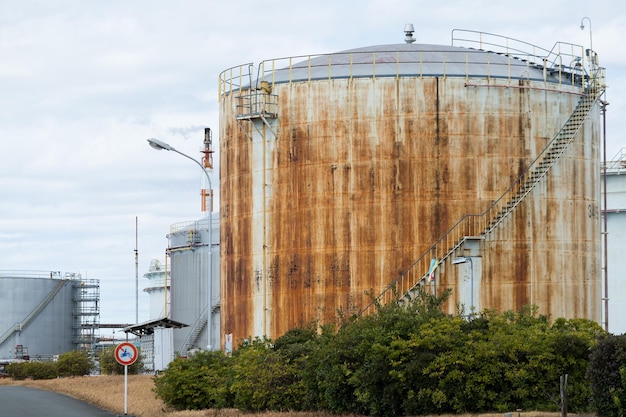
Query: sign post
[126, 354]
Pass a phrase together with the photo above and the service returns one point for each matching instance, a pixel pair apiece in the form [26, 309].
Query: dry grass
[108, 392]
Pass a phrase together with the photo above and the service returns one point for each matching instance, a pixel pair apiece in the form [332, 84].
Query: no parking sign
[126, 353]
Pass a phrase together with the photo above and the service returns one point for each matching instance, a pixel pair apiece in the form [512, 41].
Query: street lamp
[159, 145]
[463, 260]
[591, 54]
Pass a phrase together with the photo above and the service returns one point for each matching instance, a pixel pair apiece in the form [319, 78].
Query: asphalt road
[31, 402]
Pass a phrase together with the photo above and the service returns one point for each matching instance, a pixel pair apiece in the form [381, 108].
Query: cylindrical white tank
[158, 288]
[47, 313]
[194, 258]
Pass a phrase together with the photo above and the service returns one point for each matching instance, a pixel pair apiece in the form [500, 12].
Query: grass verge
[108, 392]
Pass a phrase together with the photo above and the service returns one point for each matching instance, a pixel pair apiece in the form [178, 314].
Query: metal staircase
[194, 333]
[404, 287]
[542, 164]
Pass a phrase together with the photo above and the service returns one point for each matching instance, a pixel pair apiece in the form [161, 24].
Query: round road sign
[126, 353]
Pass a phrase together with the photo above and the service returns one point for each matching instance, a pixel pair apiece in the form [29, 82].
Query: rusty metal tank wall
[548, 252]
[349, 180]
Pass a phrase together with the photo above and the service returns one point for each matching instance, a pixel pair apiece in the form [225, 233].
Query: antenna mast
[136, 271]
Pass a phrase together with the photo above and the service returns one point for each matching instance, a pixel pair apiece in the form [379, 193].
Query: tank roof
[411, 60]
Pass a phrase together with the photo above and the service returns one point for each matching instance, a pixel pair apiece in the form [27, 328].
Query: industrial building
[368, 173]
[43, 314]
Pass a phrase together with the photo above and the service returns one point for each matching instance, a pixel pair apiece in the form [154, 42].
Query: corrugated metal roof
[412, 60]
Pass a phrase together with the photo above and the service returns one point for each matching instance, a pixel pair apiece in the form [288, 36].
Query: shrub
[74, 363]
[41, 370]
[607, 366]
[34, 370]
[270, 376]
[203, 380]
[17, 370]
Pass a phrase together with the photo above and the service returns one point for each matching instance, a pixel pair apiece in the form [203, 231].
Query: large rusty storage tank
[347, 174]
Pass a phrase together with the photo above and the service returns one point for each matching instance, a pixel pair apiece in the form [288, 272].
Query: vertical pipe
[604, 223]
[207, 163]
[210, 286]
[165, 312]
[471, 261]
[266, 327]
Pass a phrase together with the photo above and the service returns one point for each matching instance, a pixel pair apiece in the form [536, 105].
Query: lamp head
[582, 22]
[158, 145]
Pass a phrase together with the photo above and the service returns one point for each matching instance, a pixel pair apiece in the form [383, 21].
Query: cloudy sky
[83, 83]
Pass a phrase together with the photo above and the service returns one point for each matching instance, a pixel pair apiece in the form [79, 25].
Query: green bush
[351, 371]
[34, 370]
[269, 376]
[74, 363]
[17, 370]
[201, 381]
[407, 360]
[41, 370]
[607, 368]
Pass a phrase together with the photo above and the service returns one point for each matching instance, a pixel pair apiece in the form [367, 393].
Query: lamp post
[591, 54]
[159, 145]
[463, 260]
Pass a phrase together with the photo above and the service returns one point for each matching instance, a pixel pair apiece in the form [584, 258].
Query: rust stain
[364, 175]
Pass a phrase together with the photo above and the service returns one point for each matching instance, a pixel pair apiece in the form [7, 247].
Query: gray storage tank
[194, 279]
[46, 313]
